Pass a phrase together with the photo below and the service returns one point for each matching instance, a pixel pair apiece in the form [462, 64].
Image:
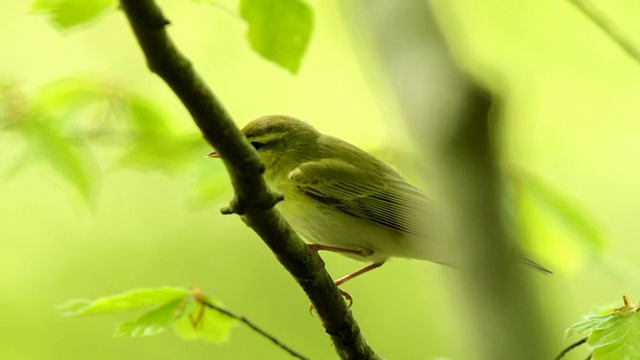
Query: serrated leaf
[618, 338]
[209, 325]
[52, 146]
[278, 30]
[129, 301]
[66, 14]
[154, 321]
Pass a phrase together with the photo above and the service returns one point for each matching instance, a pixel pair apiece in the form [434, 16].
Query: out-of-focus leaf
[129, 301]
[209, 182]
[278, 30]
[66, 14]
[205, 323]
[557, 225]
[18, 164]
[154, 321]
[65, 158]
[65, 96]
[169, 154]
[147, 121]
[617, 338]
[156, 145]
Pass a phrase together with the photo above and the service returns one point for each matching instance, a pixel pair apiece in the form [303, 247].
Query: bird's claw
[344, 294]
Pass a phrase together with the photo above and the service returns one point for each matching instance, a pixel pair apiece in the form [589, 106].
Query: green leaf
[154, 321]
[278, 30]
[617, 338]
[179, 308]
[50, 145]
[156, 145]
[168, 154]
[586, 325]
[147, 121]
[65, 96]
[205, 323]
[555, 224]
[66, 14]
[129, 301]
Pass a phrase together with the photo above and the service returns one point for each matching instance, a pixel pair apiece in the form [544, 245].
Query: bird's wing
[386, 200]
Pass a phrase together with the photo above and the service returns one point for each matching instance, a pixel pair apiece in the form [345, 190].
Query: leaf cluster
[191, 314]
[613, 332]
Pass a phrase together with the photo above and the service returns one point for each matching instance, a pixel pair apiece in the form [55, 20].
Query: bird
[340, 198]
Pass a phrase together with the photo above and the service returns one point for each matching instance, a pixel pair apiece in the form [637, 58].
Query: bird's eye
[256, 145]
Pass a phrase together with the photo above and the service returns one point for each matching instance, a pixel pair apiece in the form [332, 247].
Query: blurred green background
[571, 119]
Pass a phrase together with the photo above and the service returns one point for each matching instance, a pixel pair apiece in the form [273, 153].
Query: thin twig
[607, 27]
[571, 347]
[254, 327]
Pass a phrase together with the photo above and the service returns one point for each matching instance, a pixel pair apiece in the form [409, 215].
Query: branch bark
[253, 200]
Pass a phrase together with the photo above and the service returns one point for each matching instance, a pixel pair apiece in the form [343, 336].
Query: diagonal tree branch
[609, 28]
[253, 200]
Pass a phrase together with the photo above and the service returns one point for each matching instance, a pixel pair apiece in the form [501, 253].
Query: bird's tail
[530, 264]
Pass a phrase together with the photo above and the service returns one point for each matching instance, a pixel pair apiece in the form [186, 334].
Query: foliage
[66, 118]
[278, 30]
[63, 115]
[191, 314]
[613, 332]
[67, 14]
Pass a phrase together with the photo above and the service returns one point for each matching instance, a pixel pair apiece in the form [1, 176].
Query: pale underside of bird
[340, 198]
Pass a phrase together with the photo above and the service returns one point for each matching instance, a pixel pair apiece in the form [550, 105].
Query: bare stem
[254, 327]
[571, 347]
[607, 27]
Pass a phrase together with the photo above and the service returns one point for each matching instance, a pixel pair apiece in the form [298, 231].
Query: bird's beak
[213, 154]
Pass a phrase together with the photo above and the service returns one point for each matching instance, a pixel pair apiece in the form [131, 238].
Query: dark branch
[571, 347]
[253, 199]
[255, 328]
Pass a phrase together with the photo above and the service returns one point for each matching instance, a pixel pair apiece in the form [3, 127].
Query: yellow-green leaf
[278, 30]
[50, 145]
[129, 301]
[154, 321]
[65, 14]
[617, 338]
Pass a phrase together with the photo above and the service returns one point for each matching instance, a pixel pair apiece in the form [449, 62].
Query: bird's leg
[364, 270]
[348, 277]
[317, 247]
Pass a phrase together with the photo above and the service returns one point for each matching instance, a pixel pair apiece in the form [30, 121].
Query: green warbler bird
[340, 198]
